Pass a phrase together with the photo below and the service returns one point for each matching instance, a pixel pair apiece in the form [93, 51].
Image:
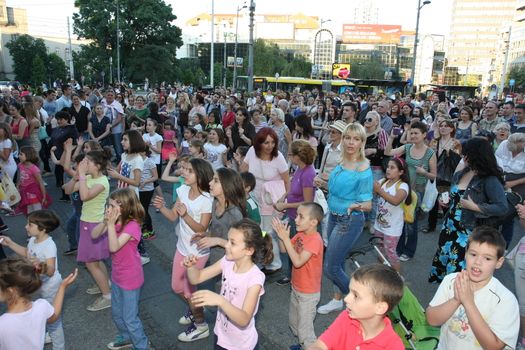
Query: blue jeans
[507, 230]
[73, 230]
[125, 313]
[408, 241]
[378, 174]
[343, 232]
[117, 138]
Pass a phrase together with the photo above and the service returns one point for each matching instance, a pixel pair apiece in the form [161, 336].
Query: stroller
[408, 317]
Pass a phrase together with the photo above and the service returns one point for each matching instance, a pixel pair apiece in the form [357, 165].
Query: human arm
[17, 248]
[196, 276]
[115, 242]
[166, 173]
[90, 131]
[154, 177]
[170, 214]
[59, 297]
[200, 226]
[40, 182]
[432, 164]
[85, 192]
[283, 232]
[133, 181]
[6, 152]
[99, 230]
[396, 151]
[308, 196]
[492, 202]
[105, 134]
[396, 199]
[444, 303]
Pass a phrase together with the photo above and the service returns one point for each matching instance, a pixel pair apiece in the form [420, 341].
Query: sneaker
[5, 207]
[295, 347]
[120, 343]
[144, 259]
[149, 235]
[70, 251]
[93, 290]
[332, 305]
[48, 339]
[47, 173]
[4, 228]
[194, 333]
[100, 303]
[404, 257]
[187, 318]
[283, 281]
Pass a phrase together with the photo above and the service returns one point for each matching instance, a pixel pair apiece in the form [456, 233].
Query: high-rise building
[366, 12]
[475, 32]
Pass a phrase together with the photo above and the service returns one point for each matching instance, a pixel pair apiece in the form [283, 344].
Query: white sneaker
[93, 290]
[404, 257]
[144, 259]
[47, 339]
[187, 318]
[194, 333]
[332, 305]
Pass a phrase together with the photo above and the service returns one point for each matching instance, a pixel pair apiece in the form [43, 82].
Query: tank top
[417, 181]
[15, 126]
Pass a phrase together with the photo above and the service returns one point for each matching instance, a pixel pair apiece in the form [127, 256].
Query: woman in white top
[7, 161]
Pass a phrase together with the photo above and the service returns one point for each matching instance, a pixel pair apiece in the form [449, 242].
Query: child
[258, 120]
[188, 135]
[42, 249]
[252, 208]
[19, 279]
[30, 184]
[197, 149]
[122, 225]
[201, 136]
[472, 307]
[306, 254]
[238, 157]
[215, 149]
[131, 164]
[242, 284]
[193, 209]
[374, 291]
[148, 176]
[170, 140]
[392, 192]
[154, 142]
[177, 180]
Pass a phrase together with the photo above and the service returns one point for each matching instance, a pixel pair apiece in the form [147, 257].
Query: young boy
[473, 308]
[252, 208]
[306, 254]
[374, 291]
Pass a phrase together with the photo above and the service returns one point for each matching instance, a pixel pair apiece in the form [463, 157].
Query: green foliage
[56, 67]
[188, 71]
[38, 71]
[148, 39]
[372, 69]
[518, 74]
[23, 50]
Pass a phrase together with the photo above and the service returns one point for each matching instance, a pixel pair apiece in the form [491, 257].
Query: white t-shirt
[153, 141]
[200, 205]
[10, 165]
[43, 251]
[130, 162]
[496, 304]
[214, 154]
[149, 165]
[25, 330]
[389, 218]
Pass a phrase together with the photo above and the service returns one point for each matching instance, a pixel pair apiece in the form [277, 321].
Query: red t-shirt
[345, 333]
[307, 278]
[228, 119]
[126, 266]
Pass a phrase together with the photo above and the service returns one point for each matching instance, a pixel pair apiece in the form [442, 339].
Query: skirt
[91, 250]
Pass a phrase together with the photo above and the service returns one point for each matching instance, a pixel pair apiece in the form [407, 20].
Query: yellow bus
[291, 83]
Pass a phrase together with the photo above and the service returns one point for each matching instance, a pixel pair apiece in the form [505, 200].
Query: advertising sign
[231, 59]
[371, 33]
[340, 70]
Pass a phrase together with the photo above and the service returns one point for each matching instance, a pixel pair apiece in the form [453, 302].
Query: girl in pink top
[242, 284]
[30, 184]
[122, 224]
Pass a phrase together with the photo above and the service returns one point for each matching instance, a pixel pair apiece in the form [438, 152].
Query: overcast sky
[48, 17]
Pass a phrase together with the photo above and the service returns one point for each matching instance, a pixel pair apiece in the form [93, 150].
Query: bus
[291, 83]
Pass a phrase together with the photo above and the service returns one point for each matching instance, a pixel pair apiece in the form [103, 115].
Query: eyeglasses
[369, 120]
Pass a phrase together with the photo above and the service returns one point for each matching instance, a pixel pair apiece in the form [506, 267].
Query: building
[367, 12]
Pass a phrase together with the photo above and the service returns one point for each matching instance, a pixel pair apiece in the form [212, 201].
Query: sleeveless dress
[464, 134]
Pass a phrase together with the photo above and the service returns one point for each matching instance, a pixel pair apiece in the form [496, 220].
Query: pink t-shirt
[25, 330]
[234, 289]
[27, 174]
[127, 270]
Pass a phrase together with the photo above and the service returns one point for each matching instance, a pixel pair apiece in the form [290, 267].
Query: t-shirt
[214, 154]
[148, 139]
[252, 210]
[93, 209]
[27, 174]
[307, 278]
[130, 162]
[390, 218]
[196, 207]
[112, 111]
[42, 251]
[302, 178]
[345, 333]
[10, 164]
[126, 269]
[234, 288]
[220, 225]
[496, 304]
[146, 174]
[25, 330]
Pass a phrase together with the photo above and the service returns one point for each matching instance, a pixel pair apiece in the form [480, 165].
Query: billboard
[340, 70]
[371, 33]
[231, 59]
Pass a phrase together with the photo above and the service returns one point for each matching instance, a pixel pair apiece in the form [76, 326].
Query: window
[10, 16]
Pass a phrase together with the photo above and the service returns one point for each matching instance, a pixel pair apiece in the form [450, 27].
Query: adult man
[386, 122]
[114, 111]
[83, 99]
[349, 112]
[214, 103]
[454, 111]
[65, 100]
[519, 124]
[490, 117]
[288, 118]
[50, 103]
[91, 96]
[507, 112]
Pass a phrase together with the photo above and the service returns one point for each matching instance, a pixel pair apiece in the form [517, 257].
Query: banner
[341, 70]
[371, 33]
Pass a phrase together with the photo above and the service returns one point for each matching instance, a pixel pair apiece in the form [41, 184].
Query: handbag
[446, 165]
[273, 191]
[42, 133]
[430, 196]
[320, 199]
[9, 188]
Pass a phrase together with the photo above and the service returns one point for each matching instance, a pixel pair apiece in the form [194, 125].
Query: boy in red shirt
[374, 290]
[306, 254]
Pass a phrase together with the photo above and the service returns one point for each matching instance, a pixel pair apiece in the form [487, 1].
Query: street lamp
[212, 42]
[419, 7]
[239, 8]
[250, 47]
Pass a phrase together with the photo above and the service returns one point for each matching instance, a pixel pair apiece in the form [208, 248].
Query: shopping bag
[320, 199]
[430, 196]
[9, 188]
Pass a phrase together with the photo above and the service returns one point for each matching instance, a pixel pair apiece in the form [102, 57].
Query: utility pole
[235, 48]
[413, 73]
[118, 44]
[212, 42]
[250, 47]
[225, 59]
[71, 67]
[504, 70]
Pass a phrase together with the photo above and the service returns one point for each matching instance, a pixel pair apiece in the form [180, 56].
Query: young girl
[148, 177]
[93, 187]
[189, 134]
[154, 142]
[176, 179]
[19, 279]
[193, 207]
[238, 157]
[215, 149]
[122, 225]
[42, 249]
[392, 192]
[170, 140]
[131, 164]
[30, 184]
[242, 287]
[197, 149]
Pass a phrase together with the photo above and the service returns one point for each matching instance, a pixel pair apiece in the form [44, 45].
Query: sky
[49, 17]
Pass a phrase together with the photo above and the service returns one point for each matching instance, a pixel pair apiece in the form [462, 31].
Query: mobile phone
[397, 131]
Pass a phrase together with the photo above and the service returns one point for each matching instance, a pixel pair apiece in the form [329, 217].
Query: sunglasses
[369, 120]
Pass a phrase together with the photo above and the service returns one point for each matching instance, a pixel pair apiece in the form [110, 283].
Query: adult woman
[268, 165]
[395, 111]
[242, 132]
[33, 121]
[466, 127]
[169, 110]
[60, 134]
[19, 125]
[510, 156]
[228, 117]
[350, 193]
[99, 126]
[198, 107]
[422, 166]
[80, 115]
[501, 133]
[304, 131]
[7, 162]
[139, 111]
[184, 106]
[283, 133]
[476, 194]
[405, 116]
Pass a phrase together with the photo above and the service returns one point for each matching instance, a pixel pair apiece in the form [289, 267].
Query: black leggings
[145, 200]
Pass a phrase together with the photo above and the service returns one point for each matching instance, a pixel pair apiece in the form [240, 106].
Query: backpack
[408, 209]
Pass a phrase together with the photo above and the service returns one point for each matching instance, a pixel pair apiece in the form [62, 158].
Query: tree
[371, 69]
[148, 39]
[56, 67]
[38, 71]
[23, 50]
[517, 73]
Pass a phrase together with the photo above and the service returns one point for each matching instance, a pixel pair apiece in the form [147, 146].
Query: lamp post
[419, 7]
[212, 41]
[235, 47]
[317, 48]
[250, 48]
[118, 44]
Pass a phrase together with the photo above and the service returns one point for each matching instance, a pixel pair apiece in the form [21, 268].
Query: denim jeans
[343, 232]
[117, 138]
[408, 241]
[125, 313]
[378, 174]
[507, 230]
[73, 229]
[48, 292]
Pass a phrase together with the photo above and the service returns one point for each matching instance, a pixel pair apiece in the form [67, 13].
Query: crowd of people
[270, 183]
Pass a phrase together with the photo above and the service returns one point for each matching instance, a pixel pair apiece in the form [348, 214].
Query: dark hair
[216, 113]
[199, 145]
[220, 134]
[490, 236]
[243, 150]
[261, 137]
[421, 126]
[450, 124]
[153, 108]
[203, 172]
[65, 87]
[30, 153]
[520, 106]
[480, 157]
[248, 180]
[136, 143]
[510, 103]
[405, 177]
[130, 206]
[63, 115]
[199, 99]
[233, 193]
[44, 219]
[304, 123]
[315, 211]
[16, 105]
[193, 131]
[246, 116]
[100, 158]
[383, 282]
[21, 275]
[254, 238]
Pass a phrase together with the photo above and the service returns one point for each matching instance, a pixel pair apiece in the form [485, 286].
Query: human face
[112, 205]
[188, 174]
[482, 261]
[371, 123]
[235, 248]
[75, 100]
[392, 171]
[86, 148]
[352, 143]
[506, 110]
[215, 186]
[360, 303]
[460, 101]
[490, 110]
[150, 126]
[268, 145]
[444, 129]
[212, 136]
[416, 136]
[239, 117]
[519, 113]
[303, 221]
[33, 230]
[382, 108]
[92, 168]
[335, 135]
[406, 110]
[62, 122]
[13, 111]
[502, 133]
[464, 116]
[125, 142]
[187, 135]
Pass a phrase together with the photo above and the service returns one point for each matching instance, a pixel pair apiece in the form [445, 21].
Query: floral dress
[450, 256]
